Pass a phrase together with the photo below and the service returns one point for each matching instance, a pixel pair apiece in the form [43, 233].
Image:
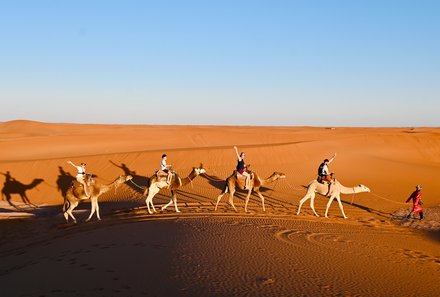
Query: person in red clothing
[417, 202]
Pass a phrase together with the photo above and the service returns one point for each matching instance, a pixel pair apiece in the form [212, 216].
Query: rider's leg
[169, 177]
[82, 181]
[247, 178]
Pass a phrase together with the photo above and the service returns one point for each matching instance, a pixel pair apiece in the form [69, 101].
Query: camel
[157, 183]
[338, 189]
[76, 193]
[13, 186]
[255, 184]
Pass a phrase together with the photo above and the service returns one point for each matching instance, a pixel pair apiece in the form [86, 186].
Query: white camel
[337, 189]
[157, 183]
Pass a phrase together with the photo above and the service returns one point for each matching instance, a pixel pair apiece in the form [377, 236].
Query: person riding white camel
[324, 174]
[81, 174]
[165, 169]
[242, 168]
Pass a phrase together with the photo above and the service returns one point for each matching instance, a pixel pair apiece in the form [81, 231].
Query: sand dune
[199, 252]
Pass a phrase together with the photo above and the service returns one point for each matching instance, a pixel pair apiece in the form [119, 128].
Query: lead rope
[352, 197]
[140, 187]
[273, 190]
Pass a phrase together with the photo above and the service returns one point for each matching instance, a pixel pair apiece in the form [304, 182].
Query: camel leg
[301, 202]
[93, 203]
[65, 214]
[97, 210]
[25, 199]
[312, 204]
[152, 205]
[220, 197]
[175, 201]
[73, 205]
[218, 200]
[338, 197]
[262, 199]
[247, 200]
[231, 199]
[168, 204]
[149, 201]
[328, 205]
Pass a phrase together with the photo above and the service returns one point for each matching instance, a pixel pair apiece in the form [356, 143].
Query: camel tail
[225, 189]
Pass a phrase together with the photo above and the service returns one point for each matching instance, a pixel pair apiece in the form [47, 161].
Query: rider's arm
[236, 152]
[334, 156]
[71, 163]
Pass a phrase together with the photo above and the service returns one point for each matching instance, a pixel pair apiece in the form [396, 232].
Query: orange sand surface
[199, 252]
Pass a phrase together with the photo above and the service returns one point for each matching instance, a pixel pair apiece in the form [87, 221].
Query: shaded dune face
[270, 253]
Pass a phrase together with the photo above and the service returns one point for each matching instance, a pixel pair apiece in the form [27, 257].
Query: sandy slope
[202, 252]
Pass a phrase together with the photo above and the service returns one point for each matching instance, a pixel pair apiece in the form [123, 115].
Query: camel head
[362, 188]
[123, 178]
[38, 181]
[278, 175]
[127, 178]
[199, 170]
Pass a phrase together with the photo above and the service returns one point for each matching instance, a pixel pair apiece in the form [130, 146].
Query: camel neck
[106, 188]
[189, 178]
[347, 190]
[269, 180]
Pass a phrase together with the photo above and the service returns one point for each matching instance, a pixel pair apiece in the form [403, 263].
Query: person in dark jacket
[241, 167]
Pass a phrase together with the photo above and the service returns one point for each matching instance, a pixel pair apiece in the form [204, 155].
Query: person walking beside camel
[417, 202]
[242, 168]
[81, 174]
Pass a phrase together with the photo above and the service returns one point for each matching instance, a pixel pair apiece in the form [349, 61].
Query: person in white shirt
[164, 167]
[81, 174]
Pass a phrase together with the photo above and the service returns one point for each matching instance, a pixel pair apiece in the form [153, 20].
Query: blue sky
[318, 63]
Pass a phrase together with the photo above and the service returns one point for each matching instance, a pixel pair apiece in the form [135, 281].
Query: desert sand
[199, 252]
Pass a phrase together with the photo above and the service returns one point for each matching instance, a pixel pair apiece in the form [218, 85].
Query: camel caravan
[86, 187]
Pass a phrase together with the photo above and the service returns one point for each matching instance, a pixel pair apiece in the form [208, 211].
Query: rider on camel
[242, 168]
[324, 174]
[81, 174]
[165, 168]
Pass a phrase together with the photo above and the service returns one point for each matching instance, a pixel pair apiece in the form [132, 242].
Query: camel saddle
[241, 176]
[322, 180]
[88, 178]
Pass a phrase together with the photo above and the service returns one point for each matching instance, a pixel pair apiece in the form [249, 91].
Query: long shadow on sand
[13, 186]
[64, 181]
[138, 183]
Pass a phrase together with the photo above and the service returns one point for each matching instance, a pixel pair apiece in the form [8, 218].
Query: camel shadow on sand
[12, 186]
[138, 183]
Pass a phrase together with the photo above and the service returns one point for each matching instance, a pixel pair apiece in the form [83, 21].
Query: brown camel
[12, 186]
[255, 184]
[157, 183]
[338, 189]
[76, 193]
